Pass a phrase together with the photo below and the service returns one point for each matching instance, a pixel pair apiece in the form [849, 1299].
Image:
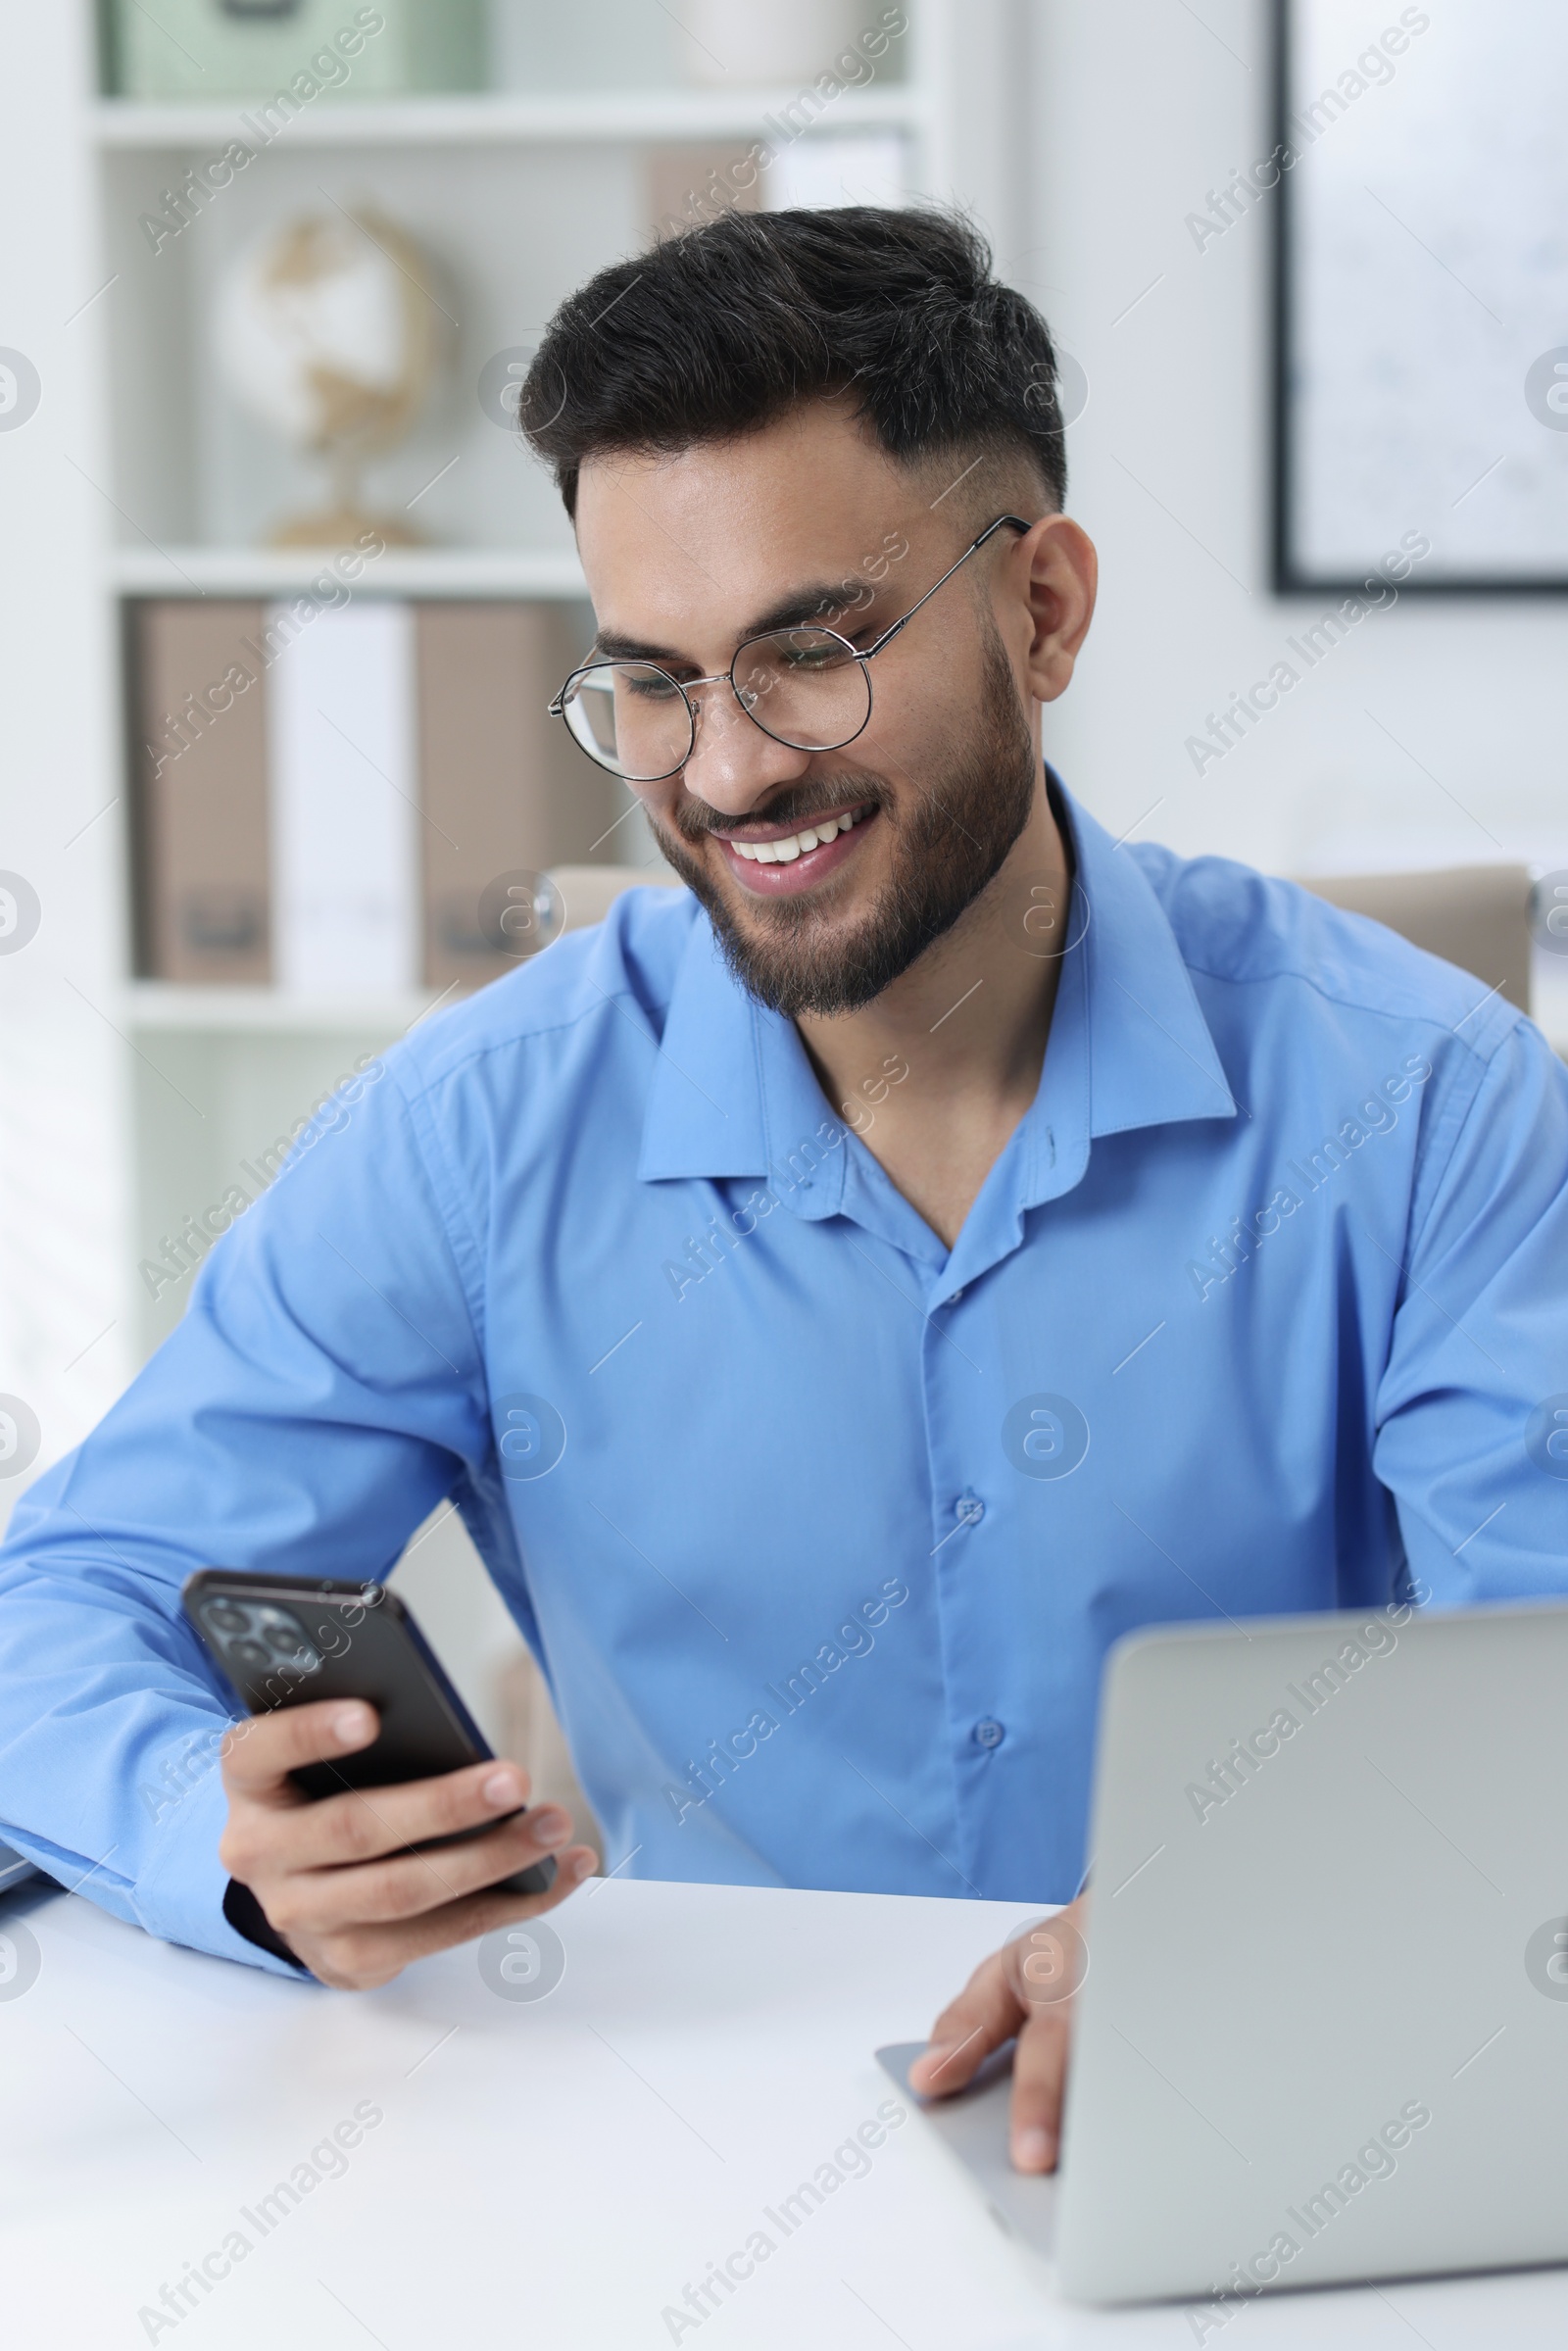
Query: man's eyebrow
[798, 606]
[805, 603]
[610, 646]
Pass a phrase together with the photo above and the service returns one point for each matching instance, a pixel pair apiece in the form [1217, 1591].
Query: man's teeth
[784, 853]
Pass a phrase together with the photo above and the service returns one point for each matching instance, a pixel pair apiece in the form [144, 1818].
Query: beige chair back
[589, 890]
[1477, 916]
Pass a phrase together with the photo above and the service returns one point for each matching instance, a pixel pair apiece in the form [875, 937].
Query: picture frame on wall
[1418, 183]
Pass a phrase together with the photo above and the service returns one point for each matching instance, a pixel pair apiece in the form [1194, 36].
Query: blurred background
[283, 600]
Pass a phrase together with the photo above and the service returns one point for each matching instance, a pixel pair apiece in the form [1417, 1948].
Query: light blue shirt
[819, 1529]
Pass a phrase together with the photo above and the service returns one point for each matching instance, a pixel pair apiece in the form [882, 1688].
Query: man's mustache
[797, 808]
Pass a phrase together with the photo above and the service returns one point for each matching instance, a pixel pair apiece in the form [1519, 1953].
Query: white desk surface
[551, 2174]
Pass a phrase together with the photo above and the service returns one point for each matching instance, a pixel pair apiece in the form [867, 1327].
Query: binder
[200, 767]
[504, 790]
[343, 789]
[336, 800]
[688, 186]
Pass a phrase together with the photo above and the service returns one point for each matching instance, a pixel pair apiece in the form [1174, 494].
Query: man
[845, 1295]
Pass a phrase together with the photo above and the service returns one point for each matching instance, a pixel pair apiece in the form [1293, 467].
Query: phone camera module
[225, 1616]
[286, 1637]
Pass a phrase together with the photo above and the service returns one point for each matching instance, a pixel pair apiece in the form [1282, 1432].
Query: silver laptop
[14, 1871]
[1324, 2031]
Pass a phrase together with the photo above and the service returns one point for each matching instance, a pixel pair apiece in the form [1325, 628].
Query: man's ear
[1053, 575]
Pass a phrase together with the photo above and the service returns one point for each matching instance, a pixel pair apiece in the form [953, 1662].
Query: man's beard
[948, 840]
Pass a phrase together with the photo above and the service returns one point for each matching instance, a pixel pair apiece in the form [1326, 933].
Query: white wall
[66, 1262]
[1140, 108]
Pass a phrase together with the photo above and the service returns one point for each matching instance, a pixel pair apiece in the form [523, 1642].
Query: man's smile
[774, 860]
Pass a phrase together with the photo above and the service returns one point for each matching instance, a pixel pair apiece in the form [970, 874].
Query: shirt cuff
[179, 1894]
[243, 1911]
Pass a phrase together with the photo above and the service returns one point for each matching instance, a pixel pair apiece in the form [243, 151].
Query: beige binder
[688, 186]
[200, 762]
[504, 790]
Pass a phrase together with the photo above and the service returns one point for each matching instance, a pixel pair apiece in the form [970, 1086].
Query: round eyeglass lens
[631, 718]
[805, 687]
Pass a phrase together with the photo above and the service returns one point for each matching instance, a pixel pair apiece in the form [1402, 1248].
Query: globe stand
[343, 522]
[342, 526]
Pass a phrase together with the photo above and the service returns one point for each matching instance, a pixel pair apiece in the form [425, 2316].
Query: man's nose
[734, 761]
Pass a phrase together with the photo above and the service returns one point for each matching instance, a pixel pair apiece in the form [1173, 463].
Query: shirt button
[954, 1299]
[989, 1733]
[968, 1509]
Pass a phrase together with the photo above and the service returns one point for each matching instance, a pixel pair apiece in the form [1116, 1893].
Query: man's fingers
[335, 1877]
[1046, 1963]
[1027, 1989]
[405, 1884]
[984, 2014]
[1039, 2070]
[359, 1957]
[362, 1824]
[259, 1752]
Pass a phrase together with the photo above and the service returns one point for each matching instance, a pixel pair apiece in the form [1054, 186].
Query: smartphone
[282, 1640]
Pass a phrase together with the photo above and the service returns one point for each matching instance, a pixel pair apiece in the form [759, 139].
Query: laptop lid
[1324, 2031]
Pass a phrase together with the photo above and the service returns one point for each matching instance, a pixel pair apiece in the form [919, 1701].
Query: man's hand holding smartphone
[332, 1875]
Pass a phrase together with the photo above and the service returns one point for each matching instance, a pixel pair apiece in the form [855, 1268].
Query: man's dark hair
[725, 327]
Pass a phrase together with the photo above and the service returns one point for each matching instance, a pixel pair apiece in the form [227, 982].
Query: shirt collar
[1129, 1045]
[734, 1094]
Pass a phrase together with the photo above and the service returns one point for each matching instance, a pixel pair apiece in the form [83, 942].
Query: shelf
[646, 116]
[269, 1011]
[401, 572]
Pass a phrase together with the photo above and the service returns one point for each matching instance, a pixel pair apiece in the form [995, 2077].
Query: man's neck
[935, 1072]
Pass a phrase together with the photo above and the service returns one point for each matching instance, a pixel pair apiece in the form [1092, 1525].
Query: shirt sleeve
[320, 1395]
[1480, 1347]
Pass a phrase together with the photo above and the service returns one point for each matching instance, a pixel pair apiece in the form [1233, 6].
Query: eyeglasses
[806, 687]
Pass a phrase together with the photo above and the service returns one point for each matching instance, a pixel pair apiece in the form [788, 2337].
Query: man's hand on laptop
[1028, 1990]
[330, 1875]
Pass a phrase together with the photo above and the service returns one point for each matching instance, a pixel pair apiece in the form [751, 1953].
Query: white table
[553, 2173]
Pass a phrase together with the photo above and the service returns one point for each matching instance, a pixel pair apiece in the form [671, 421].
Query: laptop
[1323, 2036]
[14, 1871]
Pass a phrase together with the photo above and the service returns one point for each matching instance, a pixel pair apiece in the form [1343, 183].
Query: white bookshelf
[637, 118]
[537, 573]
[157, 1005]
[126, 1104]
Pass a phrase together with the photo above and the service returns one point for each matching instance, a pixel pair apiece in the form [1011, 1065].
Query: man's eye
[650, 689]
[808, 658]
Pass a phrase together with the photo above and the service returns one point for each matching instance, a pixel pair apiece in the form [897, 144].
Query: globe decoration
[327, 331]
